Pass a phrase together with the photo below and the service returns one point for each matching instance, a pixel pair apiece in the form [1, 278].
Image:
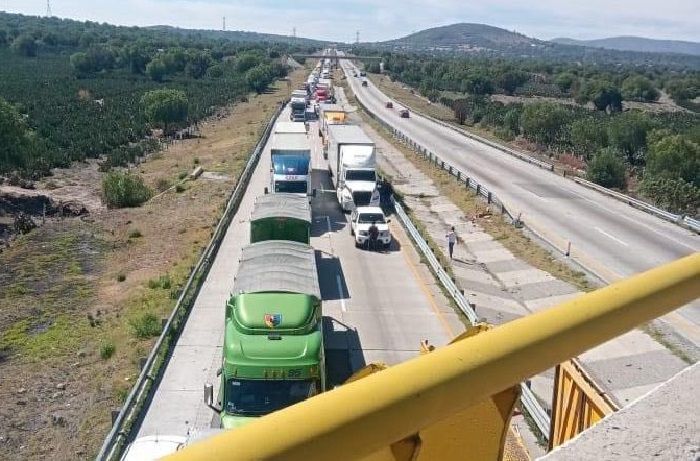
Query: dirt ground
[79, 297]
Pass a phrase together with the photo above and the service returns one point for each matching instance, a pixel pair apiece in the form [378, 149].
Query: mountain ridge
[635, 43]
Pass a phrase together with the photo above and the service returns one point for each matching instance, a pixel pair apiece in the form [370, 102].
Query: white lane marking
[535, 195]
[340, 293]
[611, 237]
[632, 220]
[330, 231]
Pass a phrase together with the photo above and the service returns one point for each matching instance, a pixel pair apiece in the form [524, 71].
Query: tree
[81, 63]
[156, 69]
[25, 45]
[246, 61]
[675, 157]
[607, 169]
[544, 122]
[461, 110]
[13, 133]
[673, 194]
[510, 81]
[565, 81]
[628, 134]
[165, 107]
[588, 136]
[511, 121]
[197, 65]
[3, 37]
[604, 95]
[257, 79]
[638, 87]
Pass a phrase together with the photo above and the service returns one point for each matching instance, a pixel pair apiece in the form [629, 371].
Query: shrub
[134, 234]
[107, 350]
[146, 326]
[607, 169]
[180, 188]
[182, 175]
[124, 190]
[162, 185]
[121, 277]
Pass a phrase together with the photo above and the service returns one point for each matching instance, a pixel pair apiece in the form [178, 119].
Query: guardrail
[691, 223]
[447, 283]
[152, 368]
[529, 402]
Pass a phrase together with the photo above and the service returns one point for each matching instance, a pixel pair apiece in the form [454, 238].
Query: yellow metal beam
[354, 421]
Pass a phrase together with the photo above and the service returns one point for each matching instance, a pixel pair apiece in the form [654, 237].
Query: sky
[338, 20]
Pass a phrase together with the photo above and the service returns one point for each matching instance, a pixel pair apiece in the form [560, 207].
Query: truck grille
[362, 198]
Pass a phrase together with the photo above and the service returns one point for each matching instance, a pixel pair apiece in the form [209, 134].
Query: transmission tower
[294, 32]
[224, 25]
[48, 8]
[357, 37]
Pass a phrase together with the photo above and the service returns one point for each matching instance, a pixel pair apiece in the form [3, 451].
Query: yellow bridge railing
[374, 417]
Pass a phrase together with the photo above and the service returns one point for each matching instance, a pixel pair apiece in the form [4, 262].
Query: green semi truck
[281, 216]
[273, 339]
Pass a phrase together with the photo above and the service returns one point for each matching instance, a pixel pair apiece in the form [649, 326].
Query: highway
[377, 306]
[608, 237]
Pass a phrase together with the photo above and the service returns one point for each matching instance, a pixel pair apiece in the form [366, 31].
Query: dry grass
[74, 288]
[496, 226]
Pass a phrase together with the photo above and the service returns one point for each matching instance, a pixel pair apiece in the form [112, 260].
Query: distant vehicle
[354, 74]
[363, 73]
[364, 82]
[363, 217]
[403, 113]
[389, 105]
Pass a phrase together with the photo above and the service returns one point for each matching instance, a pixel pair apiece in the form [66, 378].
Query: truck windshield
[367, 218]
[251, 397]
[293, 187]
[360, 175]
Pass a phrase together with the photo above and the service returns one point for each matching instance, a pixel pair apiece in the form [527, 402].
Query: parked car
[389, 105]
[363, 217]
[403, 113]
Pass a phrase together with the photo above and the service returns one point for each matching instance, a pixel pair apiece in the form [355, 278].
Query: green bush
[180, 188]
[146, 326]
[107, 350]
[124, 190]
[607, 169]
[121, 277]
[134, 234]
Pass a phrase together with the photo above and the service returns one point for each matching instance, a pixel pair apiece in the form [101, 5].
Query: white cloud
[338, 20]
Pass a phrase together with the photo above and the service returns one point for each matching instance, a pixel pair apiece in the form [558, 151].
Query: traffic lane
[486, 169]
[177, 402]
[382, 301]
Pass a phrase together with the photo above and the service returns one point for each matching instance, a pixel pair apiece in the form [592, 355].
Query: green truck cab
[273, 339]
[282, 216]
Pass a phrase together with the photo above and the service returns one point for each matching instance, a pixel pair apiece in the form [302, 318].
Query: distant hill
[241, 36]
[464, 35]
[636, 44]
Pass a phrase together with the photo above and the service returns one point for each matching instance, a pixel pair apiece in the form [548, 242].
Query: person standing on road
[451, 237]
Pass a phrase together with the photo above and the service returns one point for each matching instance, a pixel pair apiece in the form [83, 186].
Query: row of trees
[605, 86]
[88, 93]
[663, 150]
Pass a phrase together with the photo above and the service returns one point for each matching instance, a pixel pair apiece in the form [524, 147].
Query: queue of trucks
[273, 354]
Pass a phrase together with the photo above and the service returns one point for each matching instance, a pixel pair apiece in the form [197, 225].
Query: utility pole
[48, 8]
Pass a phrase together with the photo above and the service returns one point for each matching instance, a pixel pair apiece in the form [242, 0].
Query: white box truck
[290, 169]
[352, 160]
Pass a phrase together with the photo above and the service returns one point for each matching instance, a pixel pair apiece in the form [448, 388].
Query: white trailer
[352, 162]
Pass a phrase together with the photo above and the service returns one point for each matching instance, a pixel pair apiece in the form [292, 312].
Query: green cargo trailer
[273, 340]
[281, 216]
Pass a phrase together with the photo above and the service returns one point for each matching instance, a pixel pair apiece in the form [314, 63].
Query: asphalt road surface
[377, 306]
[608, 237]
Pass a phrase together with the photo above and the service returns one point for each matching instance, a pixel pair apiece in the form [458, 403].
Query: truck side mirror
[208, 394]
[266, 191]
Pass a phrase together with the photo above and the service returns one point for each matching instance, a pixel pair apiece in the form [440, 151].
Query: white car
[152, 447]
[360, 221]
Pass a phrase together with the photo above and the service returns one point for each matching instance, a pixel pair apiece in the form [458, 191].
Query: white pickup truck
[360, 221]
